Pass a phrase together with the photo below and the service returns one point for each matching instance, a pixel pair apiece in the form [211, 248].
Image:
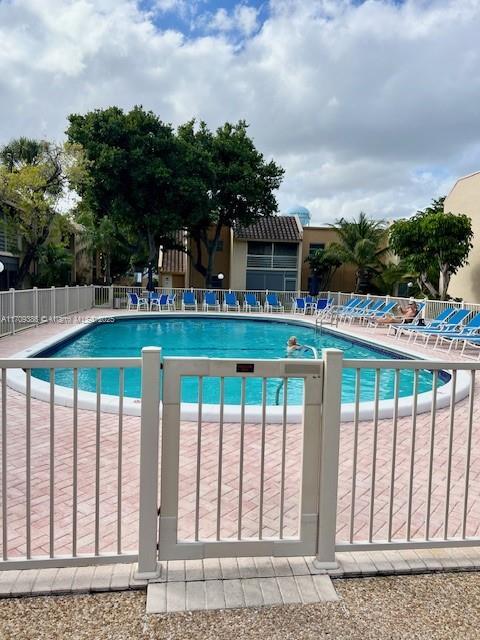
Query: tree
[33, 178]
[234, 185]
[323, 264]
[132, 163]
[434, 244]
[363, 243]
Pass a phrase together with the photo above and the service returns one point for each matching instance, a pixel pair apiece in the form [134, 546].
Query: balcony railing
[271, 262]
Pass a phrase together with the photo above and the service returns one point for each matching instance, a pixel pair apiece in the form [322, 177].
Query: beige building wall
[344, 277]
[465, 198]
[238, 264]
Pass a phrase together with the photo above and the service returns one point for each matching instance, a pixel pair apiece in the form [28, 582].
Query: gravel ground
[414, 607]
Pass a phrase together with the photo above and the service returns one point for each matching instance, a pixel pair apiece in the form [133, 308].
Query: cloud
[243, 19]
[369, 106]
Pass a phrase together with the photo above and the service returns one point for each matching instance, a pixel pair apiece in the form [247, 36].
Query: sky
[369, 105]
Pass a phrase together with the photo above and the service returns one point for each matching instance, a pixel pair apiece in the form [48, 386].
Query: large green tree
[33, 180]
[233, 184]
[434, 244]
[362, 243]
[133, 164]
[323, 264]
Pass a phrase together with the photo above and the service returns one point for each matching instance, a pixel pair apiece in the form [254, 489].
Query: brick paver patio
[63, 498]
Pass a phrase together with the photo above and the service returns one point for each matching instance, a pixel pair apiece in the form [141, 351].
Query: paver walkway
[110, 517]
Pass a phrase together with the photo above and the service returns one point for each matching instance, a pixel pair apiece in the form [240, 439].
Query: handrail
[313, 349]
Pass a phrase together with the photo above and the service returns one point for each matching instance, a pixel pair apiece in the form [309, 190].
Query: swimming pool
[221, 337]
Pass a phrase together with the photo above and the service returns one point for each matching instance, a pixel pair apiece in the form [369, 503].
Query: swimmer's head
[292, 341]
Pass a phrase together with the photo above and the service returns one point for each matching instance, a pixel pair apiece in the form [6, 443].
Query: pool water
[220, 338]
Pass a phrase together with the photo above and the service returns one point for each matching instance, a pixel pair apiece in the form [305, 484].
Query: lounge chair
[452, 324]
[211, 300]
[160, 301]
[468, 331]
[136, 302]
[401, 327]
[322, 306]
[272, 303]
[361, 314]
[189, 301]
[361, 307]
[250, 303]
[231, 303]
[299, 305]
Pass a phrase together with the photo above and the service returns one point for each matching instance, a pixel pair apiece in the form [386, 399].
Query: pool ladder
[279, 388]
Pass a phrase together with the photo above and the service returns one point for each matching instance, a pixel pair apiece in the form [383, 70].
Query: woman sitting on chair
[407, 315]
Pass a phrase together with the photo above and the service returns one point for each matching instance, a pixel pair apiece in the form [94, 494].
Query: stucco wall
[344, 277]
[238, 265]
[465, 198]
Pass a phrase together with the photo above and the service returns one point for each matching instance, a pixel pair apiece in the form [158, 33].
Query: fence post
[328, 482]
[52, 304]
[12, 307]
[110, 296]
[35, 305]
[78, 299]
[148, 566]
[66, 299]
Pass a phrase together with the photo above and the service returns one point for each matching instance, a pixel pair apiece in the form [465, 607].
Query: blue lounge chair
[272, 303]
[250, 303]
[361, 314]
[299, 306]
[401, 327]
[361, 306]
[452, 324]
[189, 301]
[160, 301]
[468, 331]
[136, 302]
[231, 302]
[322, 306]
[211, 300]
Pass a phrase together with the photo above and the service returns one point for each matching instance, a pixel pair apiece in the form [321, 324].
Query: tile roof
[286, 228]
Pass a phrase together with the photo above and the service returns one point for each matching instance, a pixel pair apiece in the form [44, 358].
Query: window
[285, 249]
[259, 248]
[314, 247]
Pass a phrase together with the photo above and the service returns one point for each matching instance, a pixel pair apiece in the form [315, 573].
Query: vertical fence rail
[148, 502]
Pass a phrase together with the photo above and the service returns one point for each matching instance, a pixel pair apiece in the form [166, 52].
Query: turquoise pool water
[219, 338]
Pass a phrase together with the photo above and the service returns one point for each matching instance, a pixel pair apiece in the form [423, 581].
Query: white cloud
[370, 107]
[243, 19]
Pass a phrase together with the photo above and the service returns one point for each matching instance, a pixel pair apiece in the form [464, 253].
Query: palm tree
[363, 242]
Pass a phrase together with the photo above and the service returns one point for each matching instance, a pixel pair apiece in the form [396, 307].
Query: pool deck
[109, 423]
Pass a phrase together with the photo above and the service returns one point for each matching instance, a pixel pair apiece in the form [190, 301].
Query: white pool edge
[63, 396]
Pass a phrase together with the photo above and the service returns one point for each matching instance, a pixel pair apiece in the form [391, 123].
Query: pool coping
[40, 390]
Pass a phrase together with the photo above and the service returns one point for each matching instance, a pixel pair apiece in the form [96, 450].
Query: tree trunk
[25, 265]
[424, 282]
[152, 252]
[211, 248]
[443, 281]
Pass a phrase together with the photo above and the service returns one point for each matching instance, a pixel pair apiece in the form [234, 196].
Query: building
[465, 198]
[9, 255]
[270, 254]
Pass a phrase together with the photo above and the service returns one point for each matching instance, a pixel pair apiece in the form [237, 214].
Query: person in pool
[407, 314]
[293, 346]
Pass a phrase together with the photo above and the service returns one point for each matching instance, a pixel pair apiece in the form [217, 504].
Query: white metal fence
[25, 308]
[73, 481]
[57, 475]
